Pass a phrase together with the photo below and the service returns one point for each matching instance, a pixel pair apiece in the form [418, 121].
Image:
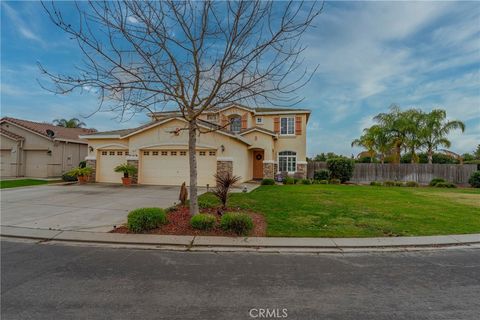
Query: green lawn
[361, 211]
[22, 183]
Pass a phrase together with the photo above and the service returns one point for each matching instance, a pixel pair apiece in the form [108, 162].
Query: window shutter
[244, 121]
[223, 120]
[276, 124]
[298, 125]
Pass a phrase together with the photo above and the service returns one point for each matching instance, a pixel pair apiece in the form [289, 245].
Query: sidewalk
[264, 244]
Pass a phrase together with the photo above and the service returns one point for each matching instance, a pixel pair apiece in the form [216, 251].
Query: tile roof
[41, 128]
[256, 109]
[11, 134]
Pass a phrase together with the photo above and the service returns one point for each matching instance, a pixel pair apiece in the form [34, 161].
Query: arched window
[287, 161]
[235, 123]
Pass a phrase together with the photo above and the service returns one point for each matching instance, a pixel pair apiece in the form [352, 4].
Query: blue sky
[370, 55]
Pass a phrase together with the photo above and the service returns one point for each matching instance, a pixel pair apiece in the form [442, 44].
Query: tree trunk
[398, 151]
[192, 157]
[430, 156]
[414, 156]
[382, 159]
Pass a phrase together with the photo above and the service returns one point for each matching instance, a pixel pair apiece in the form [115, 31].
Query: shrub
[399, 184]
[434, 182]
[224, 183]
[128, 170]
[389, 183]
[240, 223]
[143, 219]
[411, 184]
[323, 174]
[207, 200]
[288, 180]
[268, 182]
[323, 181]
[295, 180]
[445, 185]
[334, 181]
[340, 168]
[203, 221]
[375, 183]
[68, 177]
[79, 172]
[306, 181]
[475, 179]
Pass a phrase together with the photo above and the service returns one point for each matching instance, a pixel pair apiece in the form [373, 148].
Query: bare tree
[143, 56]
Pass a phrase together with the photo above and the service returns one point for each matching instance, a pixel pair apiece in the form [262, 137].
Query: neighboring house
[40, 150]
[253, 143]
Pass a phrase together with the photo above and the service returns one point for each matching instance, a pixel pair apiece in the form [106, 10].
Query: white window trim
[278, 161]
[294, 128]
[257, 120]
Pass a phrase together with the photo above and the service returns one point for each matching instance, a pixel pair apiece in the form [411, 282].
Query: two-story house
[253, 143]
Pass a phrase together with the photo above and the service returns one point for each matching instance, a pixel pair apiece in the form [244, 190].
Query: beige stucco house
[39, 150]
[252, 143]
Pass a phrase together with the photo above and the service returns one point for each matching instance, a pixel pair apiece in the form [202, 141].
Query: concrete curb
[259, 244]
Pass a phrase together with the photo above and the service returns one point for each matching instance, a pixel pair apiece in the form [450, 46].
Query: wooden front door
[258, 164]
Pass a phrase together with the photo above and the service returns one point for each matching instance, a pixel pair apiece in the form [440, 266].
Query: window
[212, 153]
[155, 153]
[173, 153]
[287, 125]
[235, 124]
[119, 153]
[104, 153]
[183, 153]
[287, 161]
[212, 117]
[164, 153]
[259, 120]
[112, 153]
[127, 153]
[202, 153]
[146, 153]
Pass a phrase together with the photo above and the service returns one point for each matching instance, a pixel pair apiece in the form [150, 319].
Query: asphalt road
[46, 281]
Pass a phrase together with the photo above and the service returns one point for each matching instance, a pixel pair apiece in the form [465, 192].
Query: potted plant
[81, 174]
[128, 171]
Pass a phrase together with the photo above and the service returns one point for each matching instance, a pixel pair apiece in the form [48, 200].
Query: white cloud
[21, 26]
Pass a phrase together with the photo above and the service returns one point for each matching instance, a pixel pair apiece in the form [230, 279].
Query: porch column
[91, 162]
[224, 165]
[268, 169]
[301, 170]
[133, 160]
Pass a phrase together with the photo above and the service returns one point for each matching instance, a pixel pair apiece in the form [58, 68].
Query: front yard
[360, 211]
[4, 184]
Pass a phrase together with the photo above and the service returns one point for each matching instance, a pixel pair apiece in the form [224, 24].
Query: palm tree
[383, 143]
[367, 141]
[71, 123]
[414, 124]
[435, 130]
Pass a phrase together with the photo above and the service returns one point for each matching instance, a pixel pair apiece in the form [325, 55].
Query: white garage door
[171, 167]
[5, 163]
[36, 163]
[107, 160]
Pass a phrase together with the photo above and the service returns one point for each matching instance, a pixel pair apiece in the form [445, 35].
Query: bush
[128, 170]
[203, 221]
[68, 177]
[399, 184]
[341, 168]
[323, 182]
[411, 184]
[240, 223]
[295, 180]
[475, 179]
[268, 182]
[323, 174]
[434, 182]
[224, 183]
[143, 219]
[306, 181]
[334, 181]
[78, 171]
[389, 183]
[445, 185]
[376, 183]
[288, 180]
[207, 200]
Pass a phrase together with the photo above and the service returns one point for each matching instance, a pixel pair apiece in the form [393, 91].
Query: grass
[360, 211]
[23, 183]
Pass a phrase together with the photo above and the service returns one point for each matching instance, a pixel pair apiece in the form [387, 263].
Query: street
[56, 281]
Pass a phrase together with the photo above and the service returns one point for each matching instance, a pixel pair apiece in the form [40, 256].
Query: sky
[369, 55]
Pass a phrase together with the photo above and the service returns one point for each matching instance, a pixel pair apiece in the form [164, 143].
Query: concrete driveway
[91, 207]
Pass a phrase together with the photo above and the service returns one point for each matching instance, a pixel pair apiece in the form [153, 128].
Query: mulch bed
[179, 224]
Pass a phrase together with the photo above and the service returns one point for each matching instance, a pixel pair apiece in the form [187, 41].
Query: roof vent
[50, 133]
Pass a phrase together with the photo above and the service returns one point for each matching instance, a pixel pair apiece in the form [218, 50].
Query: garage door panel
[107, 161]
[36, 162]
[5, 163]
[172, 168]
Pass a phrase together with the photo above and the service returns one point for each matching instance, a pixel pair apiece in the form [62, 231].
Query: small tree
[128, 170]
[70, 123]
[224, 183]
[341, 168]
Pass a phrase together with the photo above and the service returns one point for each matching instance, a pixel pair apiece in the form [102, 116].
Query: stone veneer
[134, 162]
[93, 164]
[268, 170]
[224, 166]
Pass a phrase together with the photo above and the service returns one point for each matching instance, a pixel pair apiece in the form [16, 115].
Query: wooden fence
[419, 172]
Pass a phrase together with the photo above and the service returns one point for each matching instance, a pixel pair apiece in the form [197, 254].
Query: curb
[245, 244]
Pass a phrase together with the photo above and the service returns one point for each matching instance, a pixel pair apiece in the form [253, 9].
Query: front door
[258, 164]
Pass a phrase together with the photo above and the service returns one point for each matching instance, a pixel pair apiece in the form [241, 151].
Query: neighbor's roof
[10, 134]
[61, 133]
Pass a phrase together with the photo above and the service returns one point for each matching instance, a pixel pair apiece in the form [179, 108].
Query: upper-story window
[259, 120]
[287, 125]
[212, 117]
[235, 123]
